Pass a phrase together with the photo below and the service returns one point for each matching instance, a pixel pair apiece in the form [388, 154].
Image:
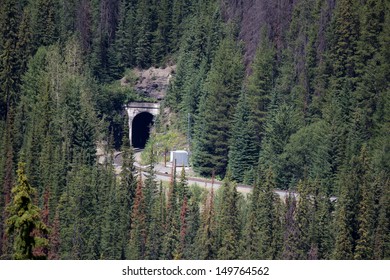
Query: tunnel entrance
[141, 129]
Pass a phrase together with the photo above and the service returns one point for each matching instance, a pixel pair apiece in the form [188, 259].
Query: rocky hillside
[152, 82]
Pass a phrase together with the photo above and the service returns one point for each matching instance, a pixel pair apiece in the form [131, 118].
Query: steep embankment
[152, 82]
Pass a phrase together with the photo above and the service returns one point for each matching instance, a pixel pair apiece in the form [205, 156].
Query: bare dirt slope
[152, 82]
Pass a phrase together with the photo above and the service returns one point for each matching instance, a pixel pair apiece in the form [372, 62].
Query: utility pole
[189, 129]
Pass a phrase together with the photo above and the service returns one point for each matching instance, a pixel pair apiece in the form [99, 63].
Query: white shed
[181, 158]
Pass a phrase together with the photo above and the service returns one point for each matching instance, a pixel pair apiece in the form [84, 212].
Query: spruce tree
[161, 42]
[156, 226]
[263, 230]
[364, 242]
[154, 201]
[381, 238]
[45, 32]
[243, 152]
[9, 59]
[124, 38]
[193, 224]
[346, 35]
[24, 220]
[217, 109]
[260, 84]
[207, 235]
[24, 45]
[125, 196]
[172, 229]
[291, 234]
[350, 225]
[8, 181]
[181, 247]
[54, 238]
[136, 246]
[183, 191]
[366, 102]
[304, 219]
[229, 231]
[144, 23]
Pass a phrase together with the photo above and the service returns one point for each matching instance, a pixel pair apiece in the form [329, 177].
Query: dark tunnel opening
[141, 129]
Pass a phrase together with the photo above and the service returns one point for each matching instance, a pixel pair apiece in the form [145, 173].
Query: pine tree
[24, 219]
[43, 251]
[217, 110]
[161, 44]
[291, 235]
[172, 229]
[112, 231]
[125, 197]
[364, 242]
[253, 225]
[304, 219]
[348, 221]
[124, 40]
[24, 44]
[381, 238]
[156, 226]
[183, 192]
[229, 231]
[207, 234]
[45, 23]
[346, 32]
[260, 84]
[263, 231]
[176, 23]
[8, 182]
[320, 233]
[181, 249]
[282, 123]
[54, 239]
[9, 59]
[136, 249]
[366, 102]
[193, 224]
[103, 59]
[243, 152]
[143, 22]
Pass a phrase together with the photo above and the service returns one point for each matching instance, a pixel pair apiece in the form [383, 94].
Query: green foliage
[9, 57]
[307, 155]
[346, 34]
[24, 220]
[216, 109]
[308, 109]
[138, 234]
[162, 144]
[243, 152]
[259, 86]
[283, 122]
[44, 23]
[229, 230]
[206, 239]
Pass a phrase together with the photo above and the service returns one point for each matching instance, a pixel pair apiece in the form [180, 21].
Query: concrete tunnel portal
[141, 117]
[141, 129]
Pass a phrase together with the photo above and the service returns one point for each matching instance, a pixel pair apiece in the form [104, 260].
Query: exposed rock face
[253, 15]
[153, 82]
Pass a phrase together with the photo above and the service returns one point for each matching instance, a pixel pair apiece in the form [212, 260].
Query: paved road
[163, 174]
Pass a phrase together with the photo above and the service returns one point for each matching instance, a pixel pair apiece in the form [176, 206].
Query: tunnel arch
[135, 108]
[141, 125]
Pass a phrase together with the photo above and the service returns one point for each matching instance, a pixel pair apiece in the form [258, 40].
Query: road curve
[163, 174]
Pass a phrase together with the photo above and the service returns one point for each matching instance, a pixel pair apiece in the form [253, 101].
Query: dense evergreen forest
[287, 94]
